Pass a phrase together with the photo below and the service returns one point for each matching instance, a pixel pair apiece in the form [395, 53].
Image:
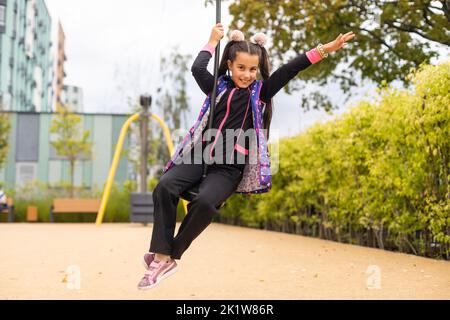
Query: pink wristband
[313, 56]
[209, 48]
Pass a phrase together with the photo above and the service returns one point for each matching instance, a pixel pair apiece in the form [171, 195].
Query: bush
[118, 208]
[376, 176]
[41, 195]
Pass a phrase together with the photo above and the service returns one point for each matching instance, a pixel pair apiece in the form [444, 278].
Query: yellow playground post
[116, 158]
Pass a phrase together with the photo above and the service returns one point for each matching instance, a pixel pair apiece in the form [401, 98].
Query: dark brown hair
[230, 52]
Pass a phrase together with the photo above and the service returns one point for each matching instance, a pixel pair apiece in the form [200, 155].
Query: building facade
[25, 56]
[2, 17]
[31, 157]
[72, 98]
[60, 73]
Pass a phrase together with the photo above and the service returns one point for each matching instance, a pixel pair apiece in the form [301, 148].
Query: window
[2, 18]
[27, 145]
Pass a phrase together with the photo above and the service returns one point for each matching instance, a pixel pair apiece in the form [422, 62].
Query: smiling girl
[243, 108]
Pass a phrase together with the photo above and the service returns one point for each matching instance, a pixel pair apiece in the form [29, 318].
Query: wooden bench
[74, 206]
[9, 209]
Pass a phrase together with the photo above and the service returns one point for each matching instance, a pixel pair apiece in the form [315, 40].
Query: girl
[235, 164]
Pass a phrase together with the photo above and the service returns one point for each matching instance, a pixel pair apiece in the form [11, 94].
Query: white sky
[111, 39]
[113, 49]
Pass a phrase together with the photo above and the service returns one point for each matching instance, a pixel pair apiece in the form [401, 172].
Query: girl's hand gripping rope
[217, 34]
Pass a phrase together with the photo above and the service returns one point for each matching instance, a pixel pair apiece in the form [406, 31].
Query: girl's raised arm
[199, 69]
[287, 72]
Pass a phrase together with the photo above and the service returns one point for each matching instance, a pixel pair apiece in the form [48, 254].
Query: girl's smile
[244, 69]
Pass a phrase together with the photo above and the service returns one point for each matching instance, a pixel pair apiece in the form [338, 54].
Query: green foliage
[32, 194]
[172, 101]
[391, 37]
[41, 195]
[377, 176]
[118, 208]
[72, 143]
[5, 127]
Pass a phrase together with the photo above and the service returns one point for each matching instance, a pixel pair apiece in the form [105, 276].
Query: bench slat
[76, 205]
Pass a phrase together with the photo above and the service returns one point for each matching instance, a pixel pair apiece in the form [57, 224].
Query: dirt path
[225, 262]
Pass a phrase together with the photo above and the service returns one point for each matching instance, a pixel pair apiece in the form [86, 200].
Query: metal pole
[216, 77]
[145, 101]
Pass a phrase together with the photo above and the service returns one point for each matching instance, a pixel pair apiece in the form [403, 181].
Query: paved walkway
[225, 262]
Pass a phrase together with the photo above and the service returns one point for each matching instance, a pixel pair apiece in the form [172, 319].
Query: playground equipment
[142, 202]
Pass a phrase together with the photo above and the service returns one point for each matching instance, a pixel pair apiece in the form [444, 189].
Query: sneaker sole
[159, 280]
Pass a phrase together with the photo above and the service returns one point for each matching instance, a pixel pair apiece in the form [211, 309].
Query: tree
[4, 134]
[172, 101]
[392, 36]
[5, 127]
[72, 143]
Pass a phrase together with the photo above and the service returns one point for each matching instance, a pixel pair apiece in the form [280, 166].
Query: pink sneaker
[147, 259]
[156, 273]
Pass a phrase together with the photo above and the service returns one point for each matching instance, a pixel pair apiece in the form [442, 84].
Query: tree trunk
[379, 237]
[72, 172]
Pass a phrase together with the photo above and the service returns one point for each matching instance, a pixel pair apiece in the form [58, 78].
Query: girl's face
[244, 69]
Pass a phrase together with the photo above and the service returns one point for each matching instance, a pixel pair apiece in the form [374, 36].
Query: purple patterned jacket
[256, 176]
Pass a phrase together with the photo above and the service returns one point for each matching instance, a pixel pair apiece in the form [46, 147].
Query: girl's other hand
[217, 34]
[339, 43]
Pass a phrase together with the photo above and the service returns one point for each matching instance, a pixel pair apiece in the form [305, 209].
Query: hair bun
[237, 35]
[259, 38]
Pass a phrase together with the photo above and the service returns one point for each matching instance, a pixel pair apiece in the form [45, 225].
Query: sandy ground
[225, 262]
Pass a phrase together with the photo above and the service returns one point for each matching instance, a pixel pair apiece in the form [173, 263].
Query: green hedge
[377, 176]
[41, 195]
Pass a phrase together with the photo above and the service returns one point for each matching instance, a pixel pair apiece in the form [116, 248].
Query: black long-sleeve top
[240, 98]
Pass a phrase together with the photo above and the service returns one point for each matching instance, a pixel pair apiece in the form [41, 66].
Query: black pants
[220, 183]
